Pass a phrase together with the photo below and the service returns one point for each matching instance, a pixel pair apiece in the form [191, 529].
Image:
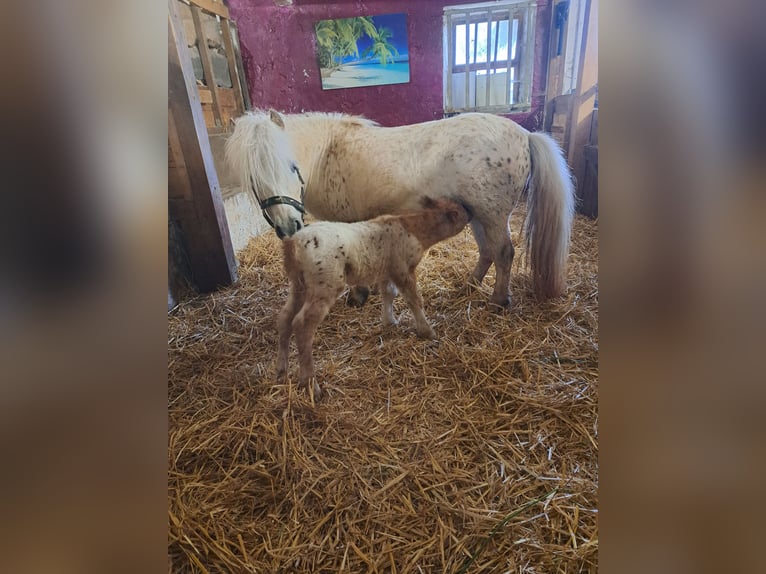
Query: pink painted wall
[279, 56]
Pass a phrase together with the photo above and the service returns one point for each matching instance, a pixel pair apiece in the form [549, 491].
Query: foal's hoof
[472, 283]
[357, 296]
[281, 365]
[427, 333]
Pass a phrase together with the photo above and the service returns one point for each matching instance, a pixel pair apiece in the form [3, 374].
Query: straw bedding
[476, 452]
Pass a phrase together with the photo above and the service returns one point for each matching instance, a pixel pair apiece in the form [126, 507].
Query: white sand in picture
[367, 75]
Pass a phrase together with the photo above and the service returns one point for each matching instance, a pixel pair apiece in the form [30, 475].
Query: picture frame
[363, 51]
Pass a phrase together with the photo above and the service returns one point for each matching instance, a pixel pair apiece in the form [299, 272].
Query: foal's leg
[305, 325]
[284, 326]
[388, 292]
[499, 244]
[409, 288]
[485, 255]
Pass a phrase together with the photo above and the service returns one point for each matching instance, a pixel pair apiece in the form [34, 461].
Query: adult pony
[346, 168]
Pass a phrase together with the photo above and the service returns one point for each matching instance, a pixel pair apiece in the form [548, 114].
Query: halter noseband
[282, 199]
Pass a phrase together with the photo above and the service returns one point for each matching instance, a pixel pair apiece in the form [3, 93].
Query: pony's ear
[277, 118]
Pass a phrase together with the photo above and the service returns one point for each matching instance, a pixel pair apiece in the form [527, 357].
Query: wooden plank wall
[583, 108]
[220, 104]
[194, 195]
[571, 118]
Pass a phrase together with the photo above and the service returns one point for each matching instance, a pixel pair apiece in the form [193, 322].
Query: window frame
[518, 90]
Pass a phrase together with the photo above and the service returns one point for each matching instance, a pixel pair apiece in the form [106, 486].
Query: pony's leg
[305, 325]
[357, 296]
[485, 255]
[409, 288]
[499, 244]
[284, 326]
[388, 292]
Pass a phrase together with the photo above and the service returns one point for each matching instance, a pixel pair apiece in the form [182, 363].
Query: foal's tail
[550, 210]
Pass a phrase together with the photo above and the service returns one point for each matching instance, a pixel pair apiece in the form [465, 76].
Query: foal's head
[441, 218]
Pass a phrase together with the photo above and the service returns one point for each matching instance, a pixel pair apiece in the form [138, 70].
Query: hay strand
[421, 456]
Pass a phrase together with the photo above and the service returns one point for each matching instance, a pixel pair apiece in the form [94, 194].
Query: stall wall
[279, 55]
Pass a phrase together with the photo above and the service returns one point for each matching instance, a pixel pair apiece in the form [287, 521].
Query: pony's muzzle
[290, 229]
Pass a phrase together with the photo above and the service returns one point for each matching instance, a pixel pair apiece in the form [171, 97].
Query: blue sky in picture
[397, 23]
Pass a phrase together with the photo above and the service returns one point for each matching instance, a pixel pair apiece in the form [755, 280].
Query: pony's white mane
[261, 150]
[338, 117]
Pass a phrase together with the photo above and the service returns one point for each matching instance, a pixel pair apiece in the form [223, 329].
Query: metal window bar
[519, 71]
[448, 58]
[527, 75]
[487, 83]
[466, 102]
[508, 60]
[515, 77]
[494, 57]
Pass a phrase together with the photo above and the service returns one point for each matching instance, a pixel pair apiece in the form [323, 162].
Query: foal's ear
[427, 203]
[459, 214]
[277, 118]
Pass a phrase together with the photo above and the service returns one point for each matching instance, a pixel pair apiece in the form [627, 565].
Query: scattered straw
[473, 453]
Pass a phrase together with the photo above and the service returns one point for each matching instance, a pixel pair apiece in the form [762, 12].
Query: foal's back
[351, 253]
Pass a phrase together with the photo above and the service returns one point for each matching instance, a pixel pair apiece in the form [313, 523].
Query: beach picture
[363, 51]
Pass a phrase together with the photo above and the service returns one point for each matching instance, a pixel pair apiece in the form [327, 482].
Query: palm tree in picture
[381, 47]
[327, 40]
[337, 40]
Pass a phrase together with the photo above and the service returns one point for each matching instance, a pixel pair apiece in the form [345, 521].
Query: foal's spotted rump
[321, 259]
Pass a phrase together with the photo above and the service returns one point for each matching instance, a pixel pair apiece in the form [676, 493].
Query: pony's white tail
[550, 210]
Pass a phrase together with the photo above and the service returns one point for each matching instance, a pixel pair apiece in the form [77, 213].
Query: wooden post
[585, 96]
[240, 67]
[228, 44]
[217, 8]
[194, 198]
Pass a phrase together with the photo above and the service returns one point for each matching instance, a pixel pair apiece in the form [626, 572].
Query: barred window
[488, 56]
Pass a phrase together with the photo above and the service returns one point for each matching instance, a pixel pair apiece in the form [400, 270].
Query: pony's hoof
[357, 296]
[500, 304]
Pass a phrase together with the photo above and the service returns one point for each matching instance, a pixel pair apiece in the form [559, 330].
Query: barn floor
[473, 453]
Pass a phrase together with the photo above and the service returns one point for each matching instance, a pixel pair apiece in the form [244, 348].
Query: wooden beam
[207, 64]
[231, 60]
[585, 97]
[198, 210]
[240, 67]
[178, 177]
[217, 8]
